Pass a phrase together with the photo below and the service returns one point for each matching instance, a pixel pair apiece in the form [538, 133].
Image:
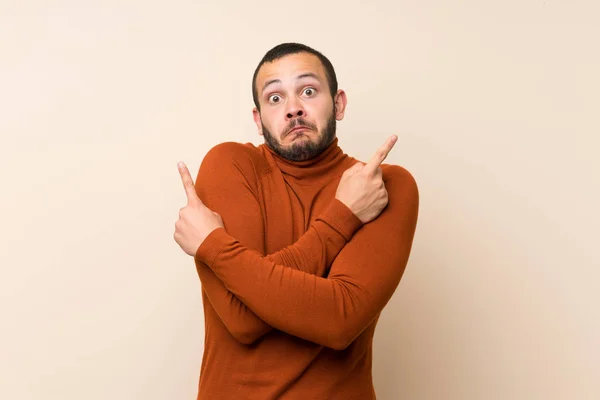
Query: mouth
[297, 129]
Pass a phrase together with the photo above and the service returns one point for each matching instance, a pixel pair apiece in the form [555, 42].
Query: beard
[307, 149]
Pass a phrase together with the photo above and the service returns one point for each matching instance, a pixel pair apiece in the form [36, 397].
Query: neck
[328, 161]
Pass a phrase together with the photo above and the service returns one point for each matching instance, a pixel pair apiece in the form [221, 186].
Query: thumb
[355, 168]
[218, 217]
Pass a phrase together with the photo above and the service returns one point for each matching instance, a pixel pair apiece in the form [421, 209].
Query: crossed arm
[226, 190]
[330, 311]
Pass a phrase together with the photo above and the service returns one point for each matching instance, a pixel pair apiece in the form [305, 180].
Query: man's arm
[225, 184]
[329, 311]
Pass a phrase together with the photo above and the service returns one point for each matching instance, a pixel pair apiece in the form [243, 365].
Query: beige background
[496, 106]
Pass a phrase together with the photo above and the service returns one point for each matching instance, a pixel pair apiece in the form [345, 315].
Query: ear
[257, 121]
[340, 101]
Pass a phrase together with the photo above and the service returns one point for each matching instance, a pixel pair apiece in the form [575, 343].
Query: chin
[297, 140]
[297, 136]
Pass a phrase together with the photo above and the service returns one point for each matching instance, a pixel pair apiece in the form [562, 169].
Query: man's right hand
[361, 187]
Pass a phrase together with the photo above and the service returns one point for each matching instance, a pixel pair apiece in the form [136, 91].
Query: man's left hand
[196, 221]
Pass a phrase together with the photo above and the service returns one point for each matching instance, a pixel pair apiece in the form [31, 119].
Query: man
[297, 245]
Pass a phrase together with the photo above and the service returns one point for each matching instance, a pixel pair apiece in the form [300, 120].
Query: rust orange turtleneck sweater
[293, 285]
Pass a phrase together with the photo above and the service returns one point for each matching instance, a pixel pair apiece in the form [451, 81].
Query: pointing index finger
[380, 154]
[188, 183]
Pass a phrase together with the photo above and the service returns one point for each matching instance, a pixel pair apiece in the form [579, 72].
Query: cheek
[270, 122]
[321, 113]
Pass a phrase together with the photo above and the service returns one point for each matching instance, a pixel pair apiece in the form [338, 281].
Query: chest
[289, 206]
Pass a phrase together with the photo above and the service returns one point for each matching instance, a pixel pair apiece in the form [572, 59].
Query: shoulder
[234, 157]
[228, 172]
[399, 176]
[402, 188]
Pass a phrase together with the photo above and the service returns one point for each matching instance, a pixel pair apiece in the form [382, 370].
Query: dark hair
[285, 49]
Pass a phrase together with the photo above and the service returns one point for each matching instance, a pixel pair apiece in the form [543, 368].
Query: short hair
[285, 49]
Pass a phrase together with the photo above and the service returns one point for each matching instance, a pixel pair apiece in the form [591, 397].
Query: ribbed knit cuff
[214, 243]
[341, 218]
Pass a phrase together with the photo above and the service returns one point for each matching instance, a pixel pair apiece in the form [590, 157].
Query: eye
[309, 92]
[274, 98]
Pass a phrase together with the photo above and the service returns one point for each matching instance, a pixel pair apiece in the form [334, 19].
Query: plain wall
[496, 108]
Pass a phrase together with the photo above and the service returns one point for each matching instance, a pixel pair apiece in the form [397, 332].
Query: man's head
[297, 101]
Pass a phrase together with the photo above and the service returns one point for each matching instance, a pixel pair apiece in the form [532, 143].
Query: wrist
[340, 217]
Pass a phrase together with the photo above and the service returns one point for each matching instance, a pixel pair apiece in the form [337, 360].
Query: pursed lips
[297, 129]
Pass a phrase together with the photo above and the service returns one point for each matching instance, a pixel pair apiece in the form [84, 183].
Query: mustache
[299, 122]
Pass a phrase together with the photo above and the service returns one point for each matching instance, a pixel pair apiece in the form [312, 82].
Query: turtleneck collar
[325, 163]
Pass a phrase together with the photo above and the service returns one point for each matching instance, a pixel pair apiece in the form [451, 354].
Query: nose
[295, 110]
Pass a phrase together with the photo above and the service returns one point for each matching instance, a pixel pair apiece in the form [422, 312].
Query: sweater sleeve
[226, 184]
[329, 311]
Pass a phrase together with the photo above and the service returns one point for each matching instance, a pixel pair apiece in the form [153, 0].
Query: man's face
[297, 116]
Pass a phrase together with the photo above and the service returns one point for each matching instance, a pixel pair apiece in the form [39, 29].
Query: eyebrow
[305, 75]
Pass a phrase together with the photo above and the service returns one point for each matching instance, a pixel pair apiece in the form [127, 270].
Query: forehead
[290, 66]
